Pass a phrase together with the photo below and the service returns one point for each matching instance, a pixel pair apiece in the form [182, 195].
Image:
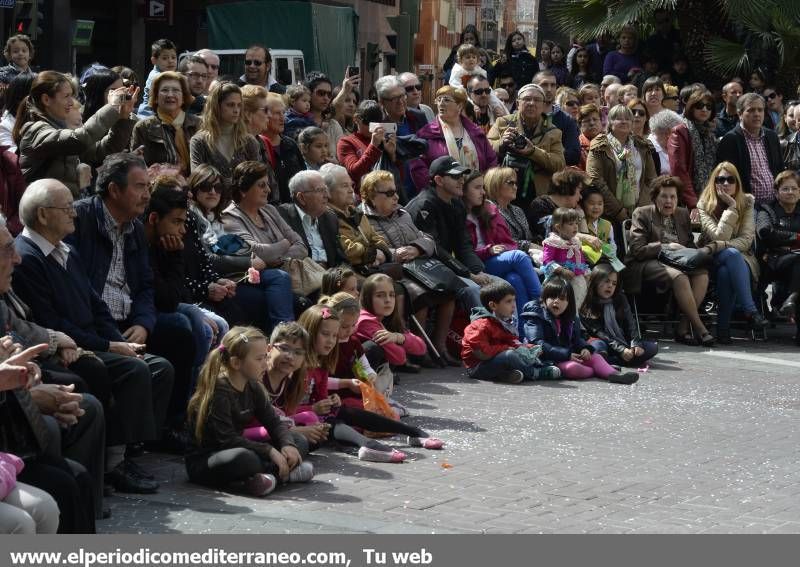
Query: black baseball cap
[446, 165]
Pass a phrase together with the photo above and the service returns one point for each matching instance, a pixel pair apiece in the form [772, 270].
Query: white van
[288, 65]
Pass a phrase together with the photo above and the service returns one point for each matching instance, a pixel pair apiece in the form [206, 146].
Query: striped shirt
[761, 178]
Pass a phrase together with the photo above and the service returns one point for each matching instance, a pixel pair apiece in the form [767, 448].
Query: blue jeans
[733, 285]
[222, 325]
[516, 268]
[272, 295]
[504, 362]
[601, 347]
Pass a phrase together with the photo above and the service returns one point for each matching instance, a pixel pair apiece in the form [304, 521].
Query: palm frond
[582, 18]
[726, 58]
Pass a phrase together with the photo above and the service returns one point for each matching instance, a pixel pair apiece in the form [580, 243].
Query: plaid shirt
[116, 292]
[761, 178]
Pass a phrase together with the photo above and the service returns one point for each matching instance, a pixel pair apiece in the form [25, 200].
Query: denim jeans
[516, 268]
[222, 325]
[272, 295]
[733, 285]
[504, 362]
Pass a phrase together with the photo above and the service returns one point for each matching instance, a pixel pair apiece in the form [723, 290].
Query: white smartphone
[388, 127]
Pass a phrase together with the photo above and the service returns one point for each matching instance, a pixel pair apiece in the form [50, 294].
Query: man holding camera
[526, 142]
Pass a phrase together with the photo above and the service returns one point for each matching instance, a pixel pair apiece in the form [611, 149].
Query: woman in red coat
[493, 243]
[452, 133]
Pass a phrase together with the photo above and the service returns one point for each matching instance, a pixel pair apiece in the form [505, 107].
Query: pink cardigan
[369, 324]
[496, 233]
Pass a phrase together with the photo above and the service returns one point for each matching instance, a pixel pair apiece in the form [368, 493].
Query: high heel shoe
[707, 340]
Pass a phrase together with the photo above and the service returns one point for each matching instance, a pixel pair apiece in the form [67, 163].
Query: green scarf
[626, 174]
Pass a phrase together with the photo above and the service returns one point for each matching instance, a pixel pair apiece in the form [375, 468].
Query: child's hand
[638, 351]
[575, 357]
[316, 433]
[280, 461]
[354, 386]
[322, 407]
[292, 456]
[498, 249]
[585, 354]
[336, 401]
[627, 354]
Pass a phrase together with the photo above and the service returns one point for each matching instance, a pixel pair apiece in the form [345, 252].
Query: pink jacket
[432, 133]
[567, 254]
[496, 233]
[10, 467]
[368, 324]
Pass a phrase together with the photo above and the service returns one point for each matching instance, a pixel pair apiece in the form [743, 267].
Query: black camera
[519, 142]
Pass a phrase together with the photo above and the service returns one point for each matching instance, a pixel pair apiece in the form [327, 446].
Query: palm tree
[722, 38]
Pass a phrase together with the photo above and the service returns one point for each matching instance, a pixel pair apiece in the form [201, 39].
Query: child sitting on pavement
[491, 348]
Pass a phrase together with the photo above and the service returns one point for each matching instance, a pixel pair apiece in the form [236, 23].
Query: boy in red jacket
[491, 348]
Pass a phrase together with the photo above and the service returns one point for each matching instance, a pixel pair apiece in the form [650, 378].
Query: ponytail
[204, 392]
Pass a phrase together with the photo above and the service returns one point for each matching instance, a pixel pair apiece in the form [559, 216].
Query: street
[705, 442]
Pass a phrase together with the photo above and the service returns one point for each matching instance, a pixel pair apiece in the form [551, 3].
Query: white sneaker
[302, 472]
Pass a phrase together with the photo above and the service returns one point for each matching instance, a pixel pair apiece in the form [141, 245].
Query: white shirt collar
[43, 244]
[305, 218]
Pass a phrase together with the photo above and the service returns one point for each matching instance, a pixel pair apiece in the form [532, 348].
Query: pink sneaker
[375, 456]
[261, 484]
[426, 442]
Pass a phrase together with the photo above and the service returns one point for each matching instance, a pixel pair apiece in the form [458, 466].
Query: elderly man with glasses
[212, 61]
[257, 65]
[532, 145]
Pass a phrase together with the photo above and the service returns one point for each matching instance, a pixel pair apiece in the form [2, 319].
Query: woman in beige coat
[727, 218]
[621, 165]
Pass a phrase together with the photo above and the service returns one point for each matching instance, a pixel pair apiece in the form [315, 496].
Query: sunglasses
[705, 106]
[480, 92]
[770, 96]
[412, 88]
[253, 63]
[213, 188]
[389, 194]
[638, 112]
[725, 180]
[507, 85]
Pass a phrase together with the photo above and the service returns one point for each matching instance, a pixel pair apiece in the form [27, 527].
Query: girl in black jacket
[607, 318]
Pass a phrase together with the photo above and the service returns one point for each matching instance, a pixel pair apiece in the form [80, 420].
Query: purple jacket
[432, 132]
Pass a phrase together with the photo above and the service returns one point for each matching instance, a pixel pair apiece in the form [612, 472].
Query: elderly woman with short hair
[621, 165]
[452, 134]
[661, 125]
[164, 137]
[590, 121]
[406, 243]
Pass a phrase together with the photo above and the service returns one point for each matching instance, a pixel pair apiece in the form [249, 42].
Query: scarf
[610, 321]
[181, 146]
[465, 153]
[574, 259]
[627, 187]
[704, 149]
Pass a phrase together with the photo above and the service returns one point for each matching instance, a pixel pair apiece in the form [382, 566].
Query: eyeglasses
[480, 92]
[531, 100]
[638, 112]
[317, 190]
[725, 180]
[324, 93]
[396, 98]
[507, 85]
[704, 106]
[770, 96]
[287, 349]
[789, 189]
[210, 188]
[388, 194]
[68, 210]
[194, 75]
[253, 63]
[412, 88]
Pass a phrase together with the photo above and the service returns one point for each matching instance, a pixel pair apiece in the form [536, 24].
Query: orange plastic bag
[376, 403]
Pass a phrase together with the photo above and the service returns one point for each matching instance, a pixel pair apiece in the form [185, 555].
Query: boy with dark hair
[491, 348]
[164, 57]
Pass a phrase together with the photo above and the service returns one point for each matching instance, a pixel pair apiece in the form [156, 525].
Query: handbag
[231, 245]
[685, 259]
[432, 274]
[306, 275]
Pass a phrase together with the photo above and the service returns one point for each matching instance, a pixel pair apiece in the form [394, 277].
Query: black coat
[733, 148]
[328, 230]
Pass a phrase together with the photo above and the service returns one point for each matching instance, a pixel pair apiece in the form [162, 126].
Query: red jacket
[357, 156]
[681, 163]
[484, 338]
[496, 233]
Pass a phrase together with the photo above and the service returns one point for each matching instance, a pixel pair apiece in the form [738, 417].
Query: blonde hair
[342, 302]
[211, 116]
[494, 178]
[708, 198]
[311, 320]
[369, 184]
[235, 343]
[252, 97]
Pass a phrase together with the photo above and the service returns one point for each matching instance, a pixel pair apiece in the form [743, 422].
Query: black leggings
[371, 421]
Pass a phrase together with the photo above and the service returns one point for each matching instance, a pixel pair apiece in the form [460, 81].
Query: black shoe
[133, 450]
[123, 480]
[173, 441]
[137, 470]
[449, 360]
[623, 378]
[788, 308]
[757, 321]
[724, 337]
